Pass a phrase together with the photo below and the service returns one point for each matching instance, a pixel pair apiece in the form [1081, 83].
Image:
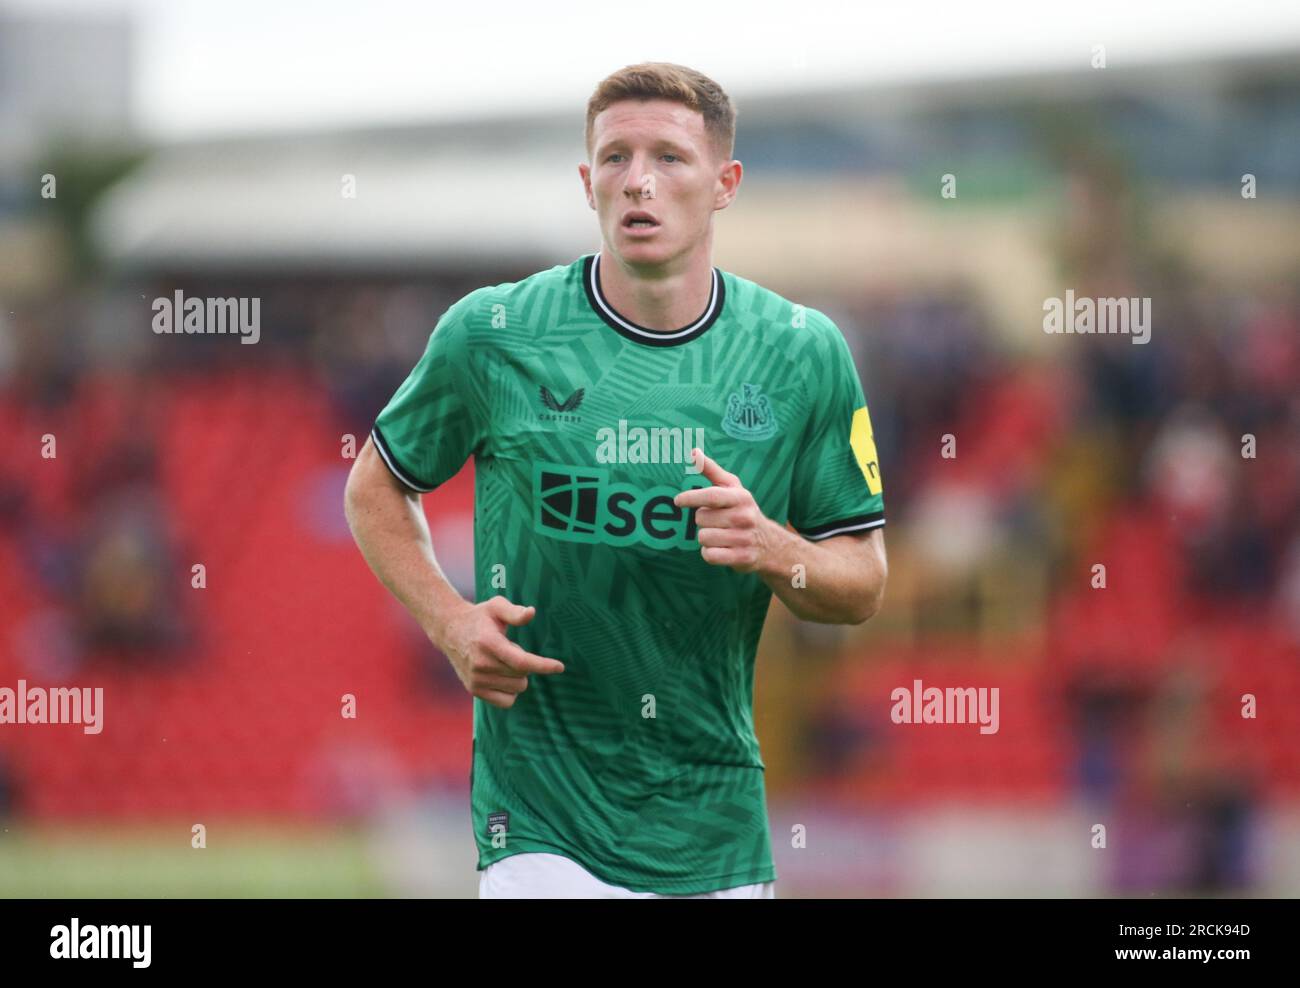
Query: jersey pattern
[639, 761]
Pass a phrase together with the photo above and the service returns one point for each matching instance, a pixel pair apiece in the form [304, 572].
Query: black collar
[640, 334]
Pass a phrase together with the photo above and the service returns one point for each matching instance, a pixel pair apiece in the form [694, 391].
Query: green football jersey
[639, 761]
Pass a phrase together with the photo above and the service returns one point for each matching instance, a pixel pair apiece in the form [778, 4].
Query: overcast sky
[247, 65]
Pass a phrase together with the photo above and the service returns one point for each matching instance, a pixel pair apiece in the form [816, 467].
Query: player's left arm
[838, 580]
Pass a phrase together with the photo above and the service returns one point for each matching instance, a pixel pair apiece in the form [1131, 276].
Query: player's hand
[730, 525]
[492, 667]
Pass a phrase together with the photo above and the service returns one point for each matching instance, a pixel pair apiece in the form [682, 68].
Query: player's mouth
[639, 221]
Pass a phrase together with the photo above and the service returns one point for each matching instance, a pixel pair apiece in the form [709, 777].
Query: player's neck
[662, 301]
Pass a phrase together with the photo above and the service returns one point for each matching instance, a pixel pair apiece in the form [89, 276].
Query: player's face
[653, 159]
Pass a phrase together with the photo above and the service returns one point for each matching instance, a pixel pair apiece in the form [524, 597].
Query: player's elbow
[871, 598]
[871, 607]
[863, 610]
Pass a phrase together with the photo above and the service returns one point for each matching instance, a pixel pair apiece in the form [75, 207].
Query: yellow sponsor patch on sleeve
[863, 442]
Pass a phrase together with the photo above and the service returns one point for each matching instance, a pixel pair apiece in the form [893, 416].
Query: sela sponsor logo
[581, 504]
[61, 705]
[185, 316]
[102, 942]
[953, 705]
[561, 411]
[750, 415]
[654, 445]
[1131, 316]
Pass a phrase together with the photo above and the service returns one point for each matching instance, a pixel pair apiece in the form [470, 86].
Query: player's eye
[673, 156]
[613, 156]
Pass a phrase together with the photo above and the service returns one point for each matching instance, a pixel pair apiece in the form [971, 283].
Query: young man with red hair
[660, 446]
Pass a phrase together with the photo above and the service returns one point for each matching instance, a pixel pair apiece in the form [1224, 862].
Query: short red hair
[664, 80]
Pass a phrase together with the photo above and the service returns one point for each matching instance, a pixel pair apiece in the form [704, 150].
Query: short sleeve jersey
[640, 761]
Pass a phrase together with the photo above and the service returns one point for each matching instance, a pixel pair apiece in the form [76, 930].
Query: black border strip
[1038, 932]
[640, 334]
[858, 523]
[394, 467]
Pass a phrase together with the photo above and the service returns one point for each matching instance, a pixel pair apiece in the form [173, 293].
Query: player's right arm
[388, 523]
[437, 419]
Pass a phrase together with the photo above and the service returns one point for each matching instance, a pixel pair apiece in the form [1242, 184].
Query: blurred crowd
[1181, 455]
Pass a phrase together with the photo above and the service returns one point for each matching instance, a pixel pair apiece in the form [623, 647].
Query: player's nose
[636, 175]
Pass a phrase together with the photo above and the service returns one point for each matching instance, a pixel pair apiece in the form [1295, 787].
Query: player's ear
[584, 172]
[728, 184]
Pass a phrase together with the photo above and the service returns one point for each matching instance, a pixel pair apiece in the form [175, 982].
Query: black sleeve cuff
[390, 461]
[858, 523]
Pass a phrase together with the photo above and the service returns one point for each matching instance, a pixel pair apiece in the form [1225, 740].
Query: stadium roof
[505, 190]
[443, 196]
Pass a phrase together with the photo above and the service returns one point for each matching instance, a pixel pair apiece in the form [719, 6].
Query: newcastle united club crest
[750, 415]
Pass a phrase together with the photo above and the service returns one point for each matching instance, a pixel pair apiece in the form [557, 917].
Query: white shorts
[536, 875]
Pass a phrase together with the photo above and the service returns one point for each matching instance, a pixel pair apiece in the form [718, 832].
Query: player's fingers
[520, 660]
[720, 518]
[487, 664]
[711, 469]
[710, 497]
[496, 698]
[513, 614]
[719, 556]
[723, 538]
[502, 684]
